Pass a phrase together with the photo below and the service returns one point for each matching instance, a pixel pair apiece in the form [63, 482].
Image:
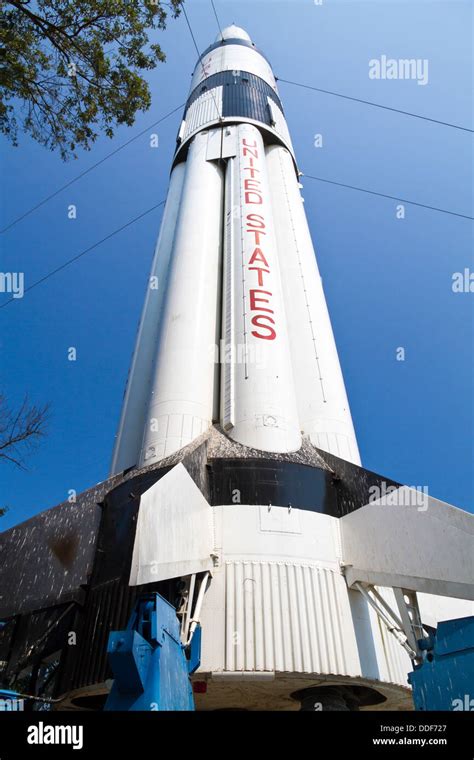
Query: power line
[392, 197]
[376, 105]
[217, 18]
[199, 59]
[86, 171]
[191, 32]
[170, 113]
[86, 250]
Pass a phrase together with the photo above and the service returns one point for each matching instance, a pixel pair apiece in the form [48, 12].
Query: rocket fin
[174, 530]
[405, 541]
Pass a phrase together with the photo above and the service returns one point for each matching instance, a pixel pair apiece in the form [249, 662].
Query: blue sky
[387, 281]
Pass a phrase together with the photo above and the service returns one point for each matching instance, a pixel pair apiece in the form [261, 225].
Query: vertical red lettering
[257, 322]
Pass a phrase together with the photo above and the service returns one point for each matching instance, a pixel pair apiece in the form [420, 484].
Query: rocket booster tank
[235, 329]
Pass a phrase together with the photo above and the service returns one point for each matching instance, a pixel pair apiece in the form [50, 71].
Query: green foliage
[70, 69]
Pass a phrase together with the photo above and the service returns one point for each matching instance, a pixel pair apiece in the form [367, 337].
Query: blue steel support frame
[151, 666]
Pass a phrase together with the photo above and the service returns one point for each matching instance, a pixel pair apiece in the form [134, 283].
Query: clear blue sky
[387, 281]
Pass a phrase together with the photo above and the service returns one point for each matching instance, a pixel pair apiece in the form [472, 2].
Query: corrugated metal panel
[285, 617]
[205, 109]
[337, 443]
[229, 79]
[108, 608]
[244, 100]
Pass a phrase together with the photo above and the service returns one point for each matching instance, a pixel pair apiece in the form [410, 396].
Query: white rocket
[235, 327]
[234, 394]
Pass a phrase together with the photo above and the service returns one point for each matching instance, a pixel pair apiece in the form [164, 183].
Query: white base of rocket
[276, 609]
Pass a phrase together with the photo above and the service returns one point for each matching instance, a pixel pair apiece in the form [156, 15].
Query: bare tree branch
[20, 431]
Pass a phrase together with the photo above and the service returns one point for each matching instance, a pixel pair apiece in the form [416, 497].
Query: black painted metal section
[355, 486]
[244, 81]
[257, 481]
[48, 558]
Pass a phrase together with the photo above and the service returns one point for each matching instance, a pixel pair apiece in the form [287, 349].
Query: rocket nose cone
[233, 32]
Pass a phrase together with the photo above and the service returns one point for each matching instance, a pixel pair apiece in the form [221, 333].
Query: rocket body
[237, 491]
[235, 329]
[237, 423]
